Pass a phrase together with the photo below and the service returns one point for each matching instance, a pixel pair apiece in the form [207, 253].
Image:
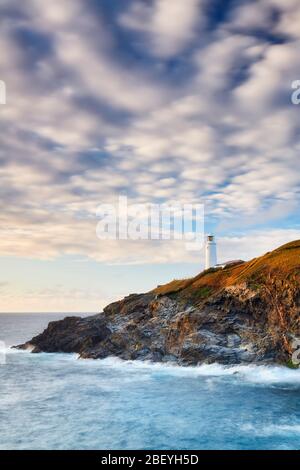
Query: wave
[257, 374]
[11, 350]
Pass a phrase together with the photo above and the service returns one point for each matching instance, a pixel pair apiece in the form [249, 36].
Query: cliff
[246, 313]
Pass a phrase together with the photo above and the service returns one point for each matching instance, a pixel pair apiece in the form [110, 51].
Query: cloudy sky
[159, 100]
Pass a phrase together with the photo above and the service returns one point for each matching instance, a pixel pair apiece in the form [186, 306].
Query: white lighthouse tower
[210, 252]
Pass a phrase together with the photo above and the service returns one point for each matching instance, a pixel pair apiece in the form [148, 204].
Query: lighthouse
[210, 252]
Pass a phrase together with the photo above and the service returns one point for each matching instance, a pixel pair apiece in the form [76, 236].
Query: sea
[57, 401]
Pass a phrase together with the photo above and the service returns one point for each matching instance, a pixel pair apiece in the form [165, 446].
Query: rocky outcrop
[243, 314]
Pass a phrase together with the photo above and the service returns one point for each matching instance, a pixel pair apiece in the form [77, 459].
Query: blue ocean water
[55, 401]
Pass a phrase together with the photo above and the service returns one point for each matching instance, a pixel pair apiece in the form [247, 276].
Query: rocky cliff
[246, 313]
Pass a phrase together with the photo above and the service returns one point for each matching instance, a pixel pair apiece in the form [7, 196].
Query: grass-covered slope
[282, 264]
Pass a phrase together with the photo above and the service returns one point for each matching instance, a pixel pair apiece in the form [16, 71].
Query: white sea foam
[256, 374]
[250, 373]
[11, 350]
[271, 430]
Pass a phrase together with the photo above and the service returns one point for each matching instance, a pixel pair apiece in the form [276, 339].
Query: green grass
[291, 365]
[204, 292]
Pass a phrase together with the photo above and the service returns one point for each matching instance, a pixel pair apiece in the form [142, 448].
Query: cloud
[289, 17]
[169, 27]
[83, 46]
[196, 110]
[253, 16]
[254, 243]
[53, 299]
[269, 79]
[4, 285]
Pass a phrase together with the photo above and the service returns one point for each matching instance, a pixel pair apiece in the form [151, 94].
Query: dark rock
[234, 322]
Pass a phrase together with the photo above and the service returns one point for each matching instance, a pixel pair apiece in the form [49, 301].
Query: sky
[156, 100]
